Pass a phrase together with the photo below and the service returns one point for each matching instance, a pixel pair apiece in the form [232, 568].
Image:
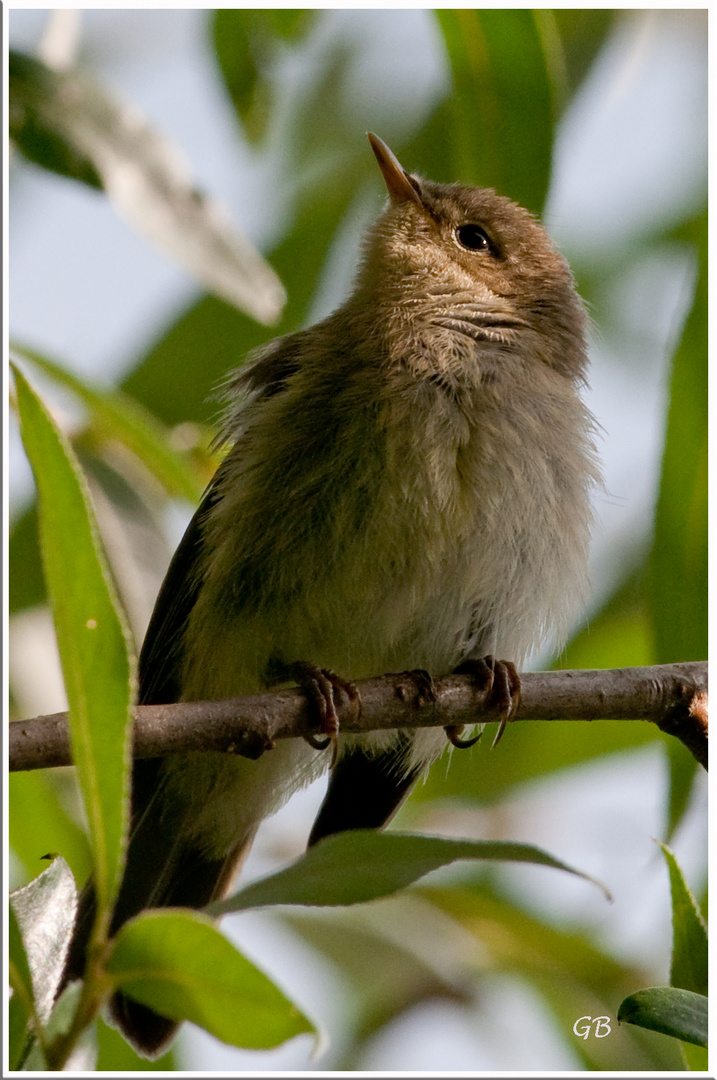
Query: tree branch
[673, 696]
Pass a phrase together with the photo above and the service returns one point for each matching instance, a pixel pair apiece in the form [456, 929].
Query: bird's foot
[502, 682]
[321, 685]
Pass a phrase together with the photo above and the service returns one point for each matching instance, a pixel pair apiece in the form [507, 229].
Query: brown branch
[673, 696]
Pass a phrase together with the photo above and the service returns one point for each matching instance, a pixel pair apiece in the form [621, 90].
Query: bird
[407, 486]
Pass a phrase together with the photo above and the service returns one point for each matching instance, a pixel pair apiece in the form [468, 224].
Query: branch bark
[672, 696]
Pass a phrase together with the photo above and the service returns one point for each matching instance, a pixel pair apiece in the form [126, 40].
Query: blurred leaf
[248, 42]
[689, 933]
[91, 637]
[83, 1057]
[382, 977]
[679, 577]
[38, 822]
[21, 1005]
[563, 965]
[36, 135]
[182, 966]
[582, 32]
[619, 634]
[680, 1013]
[179, 375]
[502, 125]
[45, 912]
[679, 556]
[526, 752]
[360, 864]
[119, 417]
[146, 178]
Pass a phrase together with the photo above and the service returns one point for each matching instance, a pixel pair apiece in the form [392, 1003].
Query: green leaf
[689, 933]
[680, 550]
[502, 124]
[118, 416]
[680, 1013]
[21, 1006]
[619, 634]
[359, 865]
[147, 180]
[180, 965]
[91, 636]
[26, 585]
[694, 1057]
[35, 134]
[248, 41]
[39, 822]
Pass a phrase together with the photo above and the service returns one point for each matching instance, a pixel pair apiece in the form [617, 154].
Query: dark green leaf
[182, 966]
[35, 133]
[689, 933]
[91, 636]
[359, 865]
[680, 1013]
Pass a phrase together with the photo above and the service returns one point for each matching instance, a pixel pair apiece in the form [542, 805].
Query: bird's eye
[473, 237]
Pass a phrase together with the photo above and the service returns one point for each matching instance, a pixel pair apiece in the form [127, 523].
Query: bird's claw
[501, 680]
[320, 685]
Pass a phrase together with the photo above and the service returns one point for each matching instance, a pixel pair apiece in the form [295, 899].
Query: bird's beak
[401, 186]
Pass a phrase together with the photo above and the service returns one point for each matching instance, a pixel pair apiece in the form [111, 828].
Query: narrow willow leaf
[120, 417]
[359, 865]
[92, 639]
[145, 176]
[680, 1013]
[689, 933]
[21, 1005]
[179, 964]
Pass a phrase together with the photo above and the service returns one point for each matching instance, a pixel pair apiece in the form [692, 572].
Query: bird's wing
[160, 660]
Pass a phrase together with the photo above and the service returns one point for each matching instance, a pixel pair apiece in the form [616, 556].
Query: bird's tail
[154, 877]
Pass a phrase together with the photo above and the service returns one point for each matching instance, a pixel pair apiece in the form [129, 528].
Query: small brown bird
[408, 486]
